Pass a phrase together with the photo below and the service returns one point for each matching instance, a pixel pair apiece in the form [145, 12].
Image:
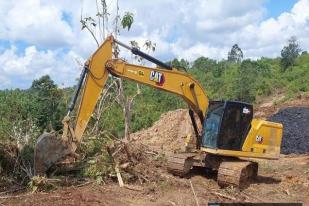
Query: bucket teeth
[48, 151]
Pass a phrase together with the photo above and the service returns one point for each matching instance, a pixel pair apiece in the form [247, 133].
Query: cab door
[212, 124]
[235, 125]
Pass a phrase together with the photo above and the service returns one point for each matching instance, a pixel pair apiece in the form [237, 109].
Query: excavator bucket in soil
[48, 151]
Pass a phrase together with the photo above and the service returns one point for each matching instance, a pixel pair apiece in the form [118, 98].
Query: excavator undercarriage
[230, 171]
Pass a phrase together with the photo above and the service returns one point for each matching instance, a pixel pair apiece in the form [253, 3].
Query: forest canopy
[42, 106]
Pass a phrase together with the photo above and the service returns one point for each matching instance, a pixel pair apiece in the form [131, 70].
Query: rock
[295, 122]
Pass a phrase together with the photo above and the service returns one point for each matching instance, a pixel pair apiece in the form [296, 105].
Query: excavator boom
[94, 76]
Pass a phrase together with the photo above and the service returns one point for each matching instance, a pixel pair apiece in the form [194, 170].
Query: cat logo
[140, 73]
[259, 139]
[246, 110]
[157, 77]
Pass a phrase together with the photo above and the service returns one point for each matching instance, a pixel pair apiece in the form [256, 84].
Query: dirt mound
[168, 133]
[273, 104]
[295, 122]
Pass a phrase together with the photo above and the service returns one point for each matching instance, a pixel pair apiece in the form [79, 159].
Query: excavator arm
[94, 76]
[101, 64]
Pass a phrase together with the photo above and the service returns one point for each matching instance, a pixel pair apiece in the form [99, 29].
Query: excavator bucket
[49, 150]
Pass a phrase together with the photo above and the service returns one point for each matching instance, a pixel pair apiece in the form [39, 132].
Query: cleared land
[284, 180]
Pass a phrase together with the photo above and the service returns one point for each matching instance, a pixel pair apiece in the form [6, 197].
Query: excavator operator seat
[226, 125]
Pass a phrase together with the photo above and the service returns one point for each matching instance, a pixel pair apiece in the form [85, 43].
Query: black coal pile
[295, 122]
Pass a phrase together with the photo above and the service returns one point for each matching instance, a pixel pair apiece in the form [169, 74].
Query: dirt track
[285, 180]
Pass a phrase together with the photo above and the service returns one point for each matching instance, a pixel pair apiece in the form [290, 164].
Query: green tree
[98, 27]
[289, 53]
[235, 55]
[16, 107]
[245, 84]
[180, 64]
[47, 103]
[127, 20]
[204, 63]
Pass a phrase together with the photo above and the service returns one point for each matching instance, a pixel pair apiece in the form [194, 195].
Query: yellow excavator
[227, 142]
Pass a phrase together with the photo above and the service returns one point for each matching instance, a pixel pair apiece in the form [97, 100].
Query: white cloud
[5, 82]
[32, 64]
[211, 27]
[200, 49]
[181, 28]
[268, 37]
[35, 23]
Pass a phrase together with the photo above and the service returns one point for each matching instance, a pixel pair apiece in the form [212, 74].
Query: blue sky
[40, 37]
[276, 7]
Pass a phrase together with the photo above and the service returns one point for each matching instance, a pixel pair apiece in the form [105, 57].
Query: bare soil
[283, 180]
[272, 105]
[169, 133]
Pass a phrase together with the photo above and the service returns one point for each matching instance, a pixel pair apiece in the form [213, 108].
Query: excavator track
[237, 173]
[180, 164]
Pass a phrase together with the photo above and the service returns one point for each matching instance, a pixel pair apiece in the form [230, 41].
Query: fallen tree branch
[135, 188]
[119, 178]
[223, 195]
[253, 197]
[84, 184]
[16, 196]
[120, 181]
[12, 191]
[172, 203]
[151, 152]
[195, 197]
[118, 150]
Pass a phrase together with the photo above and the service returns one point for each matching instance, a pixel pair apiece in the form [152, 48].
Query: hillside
[160, 125]
[250, 81]
[283, 180]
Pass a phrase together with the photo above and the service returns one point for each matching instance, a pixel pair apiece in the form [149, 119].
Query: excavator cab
[226, 125]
